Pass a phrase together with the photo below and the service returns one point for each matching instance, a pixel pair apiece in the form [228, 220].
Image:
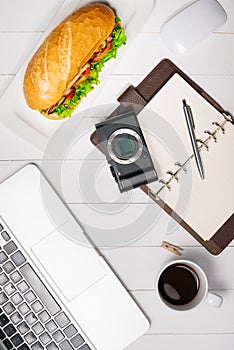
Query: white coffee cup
[202, 294]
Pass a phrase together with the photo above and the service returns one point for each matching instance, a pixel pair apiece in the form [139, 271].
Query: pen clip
[188, 109]
[191, 115]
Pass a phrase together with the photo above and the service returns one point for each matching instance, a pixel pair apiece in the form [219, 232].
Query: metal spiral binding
[212, 134]
[203, 143]
[228, 118]
[166, 184]
[181, 166]
[219, 126]
[173, 175]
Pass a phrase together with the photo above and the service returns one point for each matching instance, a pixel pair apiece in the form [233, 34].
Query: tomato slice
[102, 54]
[70, 95]
[54, 106]
[83, 77]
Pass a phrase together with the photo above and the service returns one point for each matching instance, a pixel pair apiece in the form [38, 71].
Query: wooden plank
[200, 60]
[98, 187]
[112, 221]
[203, 319]
[220, 87]
[27, 15]
[136, 224]
[139, 267]
[184, 341]
[206, 58]
[140, 224]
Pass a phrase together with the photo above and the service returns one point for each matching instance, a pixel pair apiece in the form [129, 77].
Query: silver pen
[191, 127]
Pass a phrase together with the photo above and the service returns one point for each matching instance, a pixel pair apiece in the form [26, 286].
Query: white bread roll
[64, 52]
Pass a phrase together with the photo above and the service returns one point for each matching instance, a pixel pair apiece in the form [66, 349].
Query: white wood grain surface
[211, 65]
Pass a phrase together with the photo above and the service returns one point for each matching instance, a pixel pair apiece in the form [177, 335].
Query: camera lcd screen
[125, 146]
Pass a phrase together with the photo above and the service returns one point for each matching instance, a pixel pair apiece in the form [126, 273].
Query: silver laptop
[56, 291]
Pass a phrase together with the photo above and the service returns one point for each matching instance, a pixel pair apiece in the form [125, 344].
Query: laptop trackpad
[71, 266]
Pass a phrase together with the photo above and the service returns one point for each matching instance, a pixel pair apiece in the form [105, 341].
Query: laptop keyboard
[30, 317]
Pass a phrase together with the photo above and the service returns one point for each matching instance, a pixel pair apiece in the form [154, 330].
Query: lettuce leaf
[119, 38]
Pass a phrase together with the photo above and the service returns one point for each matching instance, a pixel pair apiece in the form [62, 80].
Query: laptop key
[22, 286]
[8, 267]
[62, 320]
[65, 345]
[10, 247]
[3, 257]
[35, 282]
[23, 327]
[3, 279]
[30, 338]
[18, 258]
[58, 336]
[23, 308]
[17, 339]
[31, 318]
[44, 316]
[5, 236]
[9, 289]
[70, 331]
[37, 346]
[38, 328]
[30, 296]
[8, 344]
[51, 326]
[24, 347]
[3, 298]
[77, 341]
[37, 306]
[16, 298]
[85, 347]
[52, 346]
[16, 277]
[2, 335]
[16, 318]
[9, 330]
[45, 338]
[9, 308]
[3, 320]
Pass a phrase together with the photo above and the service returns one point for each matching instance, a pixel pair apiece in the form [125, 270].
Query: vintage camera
[124, 146]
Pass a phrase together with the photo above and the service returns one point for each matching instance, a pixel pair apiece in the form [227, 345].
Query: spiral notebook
[203, 207]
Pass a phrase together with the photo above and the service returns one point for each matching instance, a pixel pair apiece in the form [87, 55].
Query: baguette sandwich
[67, 64]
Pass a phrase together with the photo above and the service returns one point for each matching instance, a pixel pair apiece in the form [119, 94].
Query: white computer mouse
[192, 25]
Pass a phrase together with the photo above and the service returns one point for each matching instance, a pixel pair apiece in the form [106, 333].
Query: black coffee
[178, 284]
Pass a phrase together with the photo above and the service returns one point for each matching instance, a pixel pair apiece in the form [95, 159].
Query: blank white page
[204, 205]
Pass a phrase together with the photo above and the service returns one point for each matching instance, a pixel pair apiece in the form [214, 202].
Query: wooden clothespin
[172, 248]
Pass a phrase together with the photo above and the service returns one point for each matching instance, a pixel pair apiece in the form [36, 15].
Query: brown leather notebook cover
[140, 96]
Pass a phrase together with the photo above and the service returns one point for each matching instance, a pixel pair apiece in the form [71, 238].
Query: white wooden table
[211, 65]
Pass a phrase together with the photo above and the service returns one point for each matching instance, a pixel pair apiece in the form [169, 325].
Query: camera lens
[124, 146]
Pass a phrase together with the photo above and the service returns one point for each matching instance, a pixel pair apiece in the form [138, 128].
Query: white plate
[31, 125]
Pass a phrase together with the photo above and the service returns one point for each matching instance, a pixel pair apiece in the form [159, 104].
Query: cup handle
[213, 299]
